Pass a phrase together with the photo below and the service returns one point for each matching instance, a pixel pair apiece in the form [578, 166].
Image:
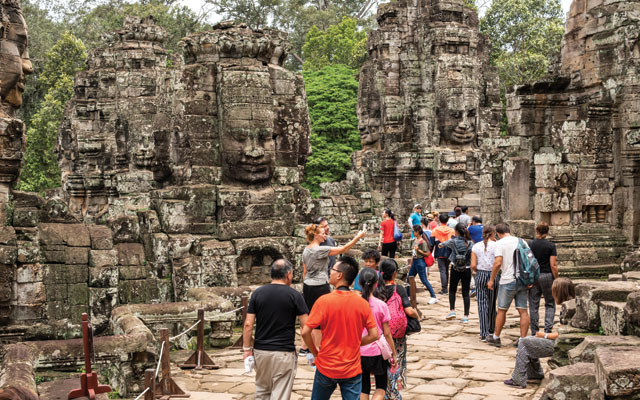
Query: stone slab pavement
[446, 360]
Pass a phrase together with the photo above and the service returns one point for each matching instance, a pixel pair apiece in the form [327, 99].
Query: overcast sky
[196, 5]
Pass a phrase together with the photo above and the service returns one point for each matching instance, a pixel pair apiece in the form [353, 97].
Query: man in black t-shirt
[274, 308]
[545, 253]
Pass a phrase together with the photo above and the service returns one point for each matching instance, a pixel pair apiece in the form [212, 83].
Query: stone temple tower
[427, 100]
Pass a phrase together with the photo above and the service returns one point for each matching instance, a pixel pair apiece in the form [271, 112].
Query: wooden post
[245, 306]
[150, 382]
[200, 359]
[89, 386]
[412, 295]
[167, 386]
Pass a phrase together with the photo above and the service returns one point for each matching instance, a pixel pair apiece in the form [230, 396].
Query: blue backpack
[397, 235]
[526, 267]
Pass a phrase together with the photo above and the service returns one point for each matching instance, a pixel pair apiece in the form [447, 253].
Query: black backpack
[459, 263]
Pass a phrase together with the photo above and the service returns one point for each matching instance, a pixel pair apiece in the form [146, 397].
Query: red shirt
[341, 316]
[386, 227]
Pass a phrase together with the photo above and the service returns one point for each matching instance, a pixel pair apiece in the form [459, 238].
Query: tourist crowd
[358, 330]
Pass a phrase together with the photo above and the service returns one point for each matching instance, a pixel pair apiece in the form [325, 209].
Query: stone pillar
[516, 187]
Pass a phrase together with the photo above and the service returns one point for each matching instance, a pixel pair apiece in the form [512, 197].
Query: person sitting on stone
[532, 348]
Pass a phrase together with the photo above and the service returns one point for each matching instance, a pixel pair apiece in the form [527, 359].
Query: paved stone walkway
[446, 360]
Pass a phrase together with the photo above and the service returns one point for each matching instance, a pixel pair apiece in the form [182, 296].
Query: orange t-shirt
[341, 316]
[442, 233]
[386, 227]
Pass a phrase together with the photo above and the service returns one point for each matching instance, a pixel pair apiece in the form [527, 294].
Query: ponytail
[487, 231]
[389, 214]
[367, 280]
[387, 268]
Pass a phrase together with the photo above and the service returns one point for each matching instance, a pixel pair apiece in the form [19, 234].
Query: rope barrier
[171, 339]
[142, 394]
[159, 359]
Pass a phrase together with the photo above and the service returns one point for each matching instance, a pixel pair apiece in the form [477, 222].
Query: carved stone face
[457, 117]
[248, 152]
[14, 56]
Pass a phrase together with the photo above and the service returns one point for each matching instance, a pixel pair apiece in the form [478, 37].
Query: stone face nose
[252, 147]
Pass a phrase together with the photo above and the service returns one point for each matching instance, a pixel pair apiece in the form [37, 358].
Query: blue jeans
[323, 387]
[419, 267]
[512, 291]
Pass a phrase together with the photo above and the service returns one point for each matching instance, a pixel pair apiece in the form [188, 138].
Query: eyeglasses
[336, 270]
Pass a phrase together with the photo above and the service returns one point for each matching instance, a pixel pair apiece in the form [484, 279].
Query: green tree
[63, 60]
[525, 35]
[332, 95]
[343, 43]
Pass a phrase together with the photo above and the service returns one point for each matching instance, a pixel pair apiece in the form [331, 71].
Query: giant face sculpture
[14, 56]
[246, 140]
[457, 116]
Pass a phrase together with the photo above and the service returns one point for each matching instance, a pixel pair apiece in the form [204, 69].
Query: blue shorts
[509, 291]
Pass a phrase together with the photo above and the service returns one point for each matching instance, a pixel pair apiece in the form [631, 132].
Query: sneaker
[515, 344]
[433, 300]
[536, 378]
[494, 342]
[465, 320]
[483, 339]
[303, 352]
[443, 292]
[510, 382]
[473, 293]
[452, 315]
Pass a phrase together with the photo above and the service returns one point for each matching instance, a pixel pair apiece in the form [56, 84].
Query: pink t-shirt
[380, 312]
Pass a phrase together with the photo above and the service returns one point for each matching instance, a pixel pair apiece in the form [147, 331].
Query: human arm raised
[343, 249]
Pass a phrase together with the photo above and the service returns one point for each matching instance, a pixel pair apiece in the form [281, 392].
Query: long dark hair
[387, 268]
[367, 280]
[389, 213]
[487, 231]
[461, 231]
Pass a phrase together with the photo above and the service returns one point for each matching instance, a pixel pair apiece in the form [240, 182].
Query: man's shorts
[509, 291]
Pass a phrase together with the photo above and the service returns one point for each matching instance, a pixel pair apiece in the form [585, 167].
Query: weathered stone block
[28, 252]
[54, 273]
[617, 371]
[103, 258]
[29, 273]
[7, 236]
[77, 255]
[8, 254]
[102, 301]
[30, 293]
[585, 351]
[101, 238]
[26, 217]
[138, 291]
[130, 254]
[103, 277]
[590, 294]
[78, 294]
[56, 292]
[632, 313]
[75, 235]
[612, 317]
[572, 382]
[131, 272]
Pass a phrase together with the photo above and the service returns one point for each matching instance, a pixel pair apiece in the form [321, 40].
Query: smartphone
[364, 226]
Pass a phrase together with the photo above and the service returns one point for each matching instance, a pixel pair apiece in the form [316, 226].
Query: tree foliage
[526, 36]
[343, 44]
[63, 60]
[332, 94]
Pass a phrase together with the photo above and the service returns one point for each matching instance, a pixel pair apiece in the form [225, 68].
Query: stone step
[585, 351]
[572, 382]
[617, 371]
[601, 271]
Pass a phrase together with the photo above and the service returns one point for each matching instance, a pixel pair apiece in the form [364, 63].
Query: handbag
[397, 235]
[385, 350]
[429, 260]
[413, 325]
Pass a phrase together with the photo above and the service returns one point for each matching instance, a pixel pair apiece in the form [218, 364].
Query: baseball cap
[418, 206]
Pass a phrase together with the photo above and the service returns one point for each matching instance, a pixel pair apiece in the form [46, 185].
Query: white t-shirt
[505, 248]
[485, 258]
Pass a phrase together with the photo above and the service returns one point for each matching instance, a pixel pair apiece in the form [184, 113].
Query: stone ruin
[428, 104]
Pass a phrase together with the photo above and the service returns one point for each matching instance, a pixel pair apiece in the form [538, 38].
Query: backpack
[398, 321]
[459, 262]
[397, 235]
[525, 266]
